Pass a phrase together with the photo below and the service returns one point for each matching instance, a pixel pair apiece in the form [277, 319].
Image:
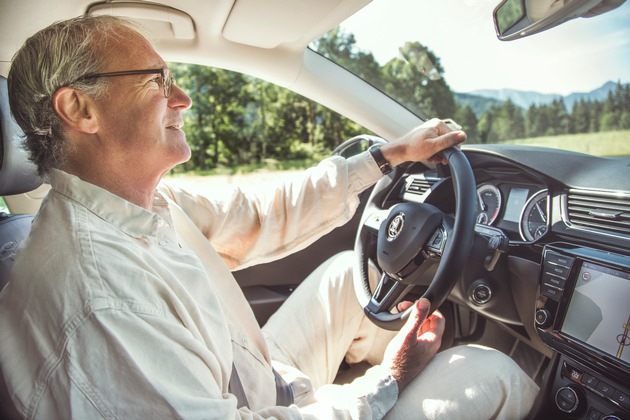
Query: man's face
[138, 126]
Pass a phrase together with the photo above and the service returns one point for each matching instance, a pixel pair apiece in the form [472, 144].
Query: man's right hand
[415, 344]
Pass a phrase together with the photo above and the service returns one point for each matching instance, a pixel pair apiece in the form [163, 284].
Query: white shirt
[111, 314]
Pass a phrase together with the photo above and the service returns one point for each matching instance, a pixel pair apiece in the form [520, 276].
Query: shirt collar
[128, 217]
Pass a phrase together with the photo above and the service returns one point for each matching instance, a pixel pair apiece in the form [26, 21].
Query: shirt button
[162, 243]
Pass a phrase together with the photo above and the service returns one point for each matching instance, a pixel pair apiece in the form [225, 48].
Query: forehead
[129, 50]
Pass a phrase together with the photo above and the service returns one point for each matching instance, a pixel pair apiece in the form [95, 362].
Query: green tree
[340, 47]
[416, 81]
[465, 116]
[217, 113]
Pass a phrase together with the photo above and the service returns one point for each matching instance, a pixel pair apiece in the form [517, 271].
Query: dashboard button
[567, 399]
[590, 381]
[594, 414]
[481, 294]
[543, 318]
[553, 281]
[550, 292]
[557, 270]
[605, 389]
[622, 399]
[558, 259]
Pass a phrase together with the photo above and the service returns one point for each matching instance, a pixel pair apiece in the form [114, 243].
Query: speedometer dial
[489, 198]
[534, 218]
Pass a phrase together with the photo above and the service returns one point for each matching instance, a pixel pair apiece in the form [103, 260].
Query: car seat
[17, 176]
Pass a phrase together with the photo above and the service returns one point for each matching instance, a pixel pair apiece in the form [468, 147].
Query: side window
[240, 123]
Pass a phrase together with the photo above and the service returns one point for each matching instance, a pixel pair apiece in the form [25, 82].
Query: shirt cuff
[382, 390]
[363, 171]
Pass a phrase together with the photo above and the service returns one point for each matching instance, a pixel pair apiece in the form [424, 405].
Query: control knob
[568, 400]
[543, 318]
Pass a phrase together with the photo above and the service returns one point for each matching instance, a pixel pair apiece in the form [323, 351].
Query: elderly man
[122, 304]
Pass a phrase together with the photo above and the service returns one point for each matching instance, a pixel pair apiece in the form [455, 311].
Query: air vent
[419, 184]
[600, 211]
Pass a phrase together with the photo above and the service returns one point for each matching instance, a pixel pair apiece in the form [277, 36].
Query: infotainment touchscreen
[599, 310]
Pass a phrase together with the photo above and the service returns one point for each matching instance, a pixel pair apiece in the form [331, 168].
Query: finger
[423, 308]
[449, 139]
[433, 326]
[404, 305]
[413, 325]
[440, 126]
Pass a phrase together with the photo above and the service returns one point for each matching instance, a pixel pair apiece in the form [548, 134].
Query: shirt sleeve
[252, 227]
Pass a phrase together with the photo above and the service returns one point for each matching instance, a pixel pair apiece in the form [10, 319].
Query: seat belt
[183, 225]
[284, 392]
[235, 387]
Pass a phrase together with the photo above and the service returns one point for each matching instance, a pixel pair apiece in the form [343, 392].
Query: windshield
[566, 87]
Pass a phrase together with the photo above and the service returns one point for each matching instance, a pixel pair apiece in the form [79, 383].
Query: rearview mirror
[514, 19]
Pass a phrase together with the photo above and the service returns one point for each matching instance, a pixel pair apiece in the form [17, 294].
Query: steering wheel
[413, 242]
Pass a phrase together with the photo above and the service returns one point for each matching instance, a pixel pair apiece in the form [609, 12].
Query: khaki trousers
[321, 324]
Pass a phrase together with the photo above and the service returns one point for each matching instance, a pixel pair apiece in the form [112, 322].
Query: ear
[76, 110]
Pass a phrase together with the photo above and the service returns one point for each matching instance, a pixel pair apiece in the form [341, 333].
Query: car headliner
[266, 39]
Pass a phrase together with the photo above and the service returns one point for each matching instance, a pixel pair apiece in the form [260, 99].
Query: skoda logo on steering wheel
[395, 226]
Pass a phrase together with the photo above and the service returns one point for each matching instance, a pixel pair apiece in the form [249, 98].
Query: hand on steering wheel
[411, 240]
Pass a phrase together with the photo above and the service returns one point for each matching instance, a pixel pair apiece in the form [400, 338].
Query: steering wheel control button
[567, 400]
[437, 242]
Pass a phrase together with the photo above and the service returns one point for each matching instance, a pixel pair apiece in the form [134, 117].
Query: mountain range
[483, 100]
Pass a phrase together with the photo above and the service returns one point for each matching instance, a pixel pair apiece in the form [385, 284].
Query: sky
[578, 56]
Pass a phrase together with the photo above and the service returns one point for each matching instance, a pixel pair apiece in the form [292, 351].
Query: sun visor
[267, 24]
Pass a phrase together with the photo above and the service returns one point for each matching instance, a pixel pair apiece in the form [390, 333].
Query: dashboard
[551, 262]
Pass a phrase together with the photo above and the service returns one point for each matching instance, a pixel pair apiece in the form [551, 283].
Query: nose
[179, 98]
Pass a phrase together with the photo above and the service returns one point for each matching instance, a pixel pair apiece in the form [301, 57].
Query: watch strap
[380, 160]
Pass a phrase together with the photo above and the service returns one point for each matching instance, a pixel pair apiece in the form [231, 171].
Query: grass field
[605, 143]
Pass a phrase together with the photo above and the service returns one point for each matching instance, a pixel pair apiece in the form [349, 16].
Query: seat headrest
[17, 174]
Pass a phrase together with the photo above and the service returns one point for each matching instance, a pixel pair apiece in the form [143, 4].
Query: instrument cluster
[515, 208]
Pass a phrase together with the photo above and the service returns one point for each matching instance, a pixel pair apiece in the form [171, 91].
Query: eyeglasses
[167, 80]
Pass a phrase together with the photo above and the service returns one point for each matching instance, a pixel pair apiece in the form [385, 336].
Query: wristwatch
[380, 160]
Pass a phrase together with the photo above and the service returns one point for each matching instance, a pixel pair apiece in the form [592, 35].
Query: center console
[583, 313]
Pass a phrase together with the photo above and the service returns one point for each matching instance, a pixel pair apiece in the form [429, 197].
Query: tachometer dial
[489, 198]
[534, 218]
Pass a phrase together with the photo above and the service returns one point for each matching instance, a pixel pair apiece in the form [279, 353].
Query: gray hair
[54, 57]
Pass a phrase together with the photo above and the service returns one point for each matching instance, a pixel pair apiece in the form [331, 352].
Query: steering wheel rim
[456, 246]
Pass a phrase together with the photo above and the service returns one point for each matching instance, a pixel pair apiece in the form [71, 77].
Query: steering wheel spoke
[374, 220]
[387, 294]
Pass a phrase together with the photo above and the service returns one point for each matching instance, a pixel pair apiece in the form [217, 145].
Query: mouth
[177, 126]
